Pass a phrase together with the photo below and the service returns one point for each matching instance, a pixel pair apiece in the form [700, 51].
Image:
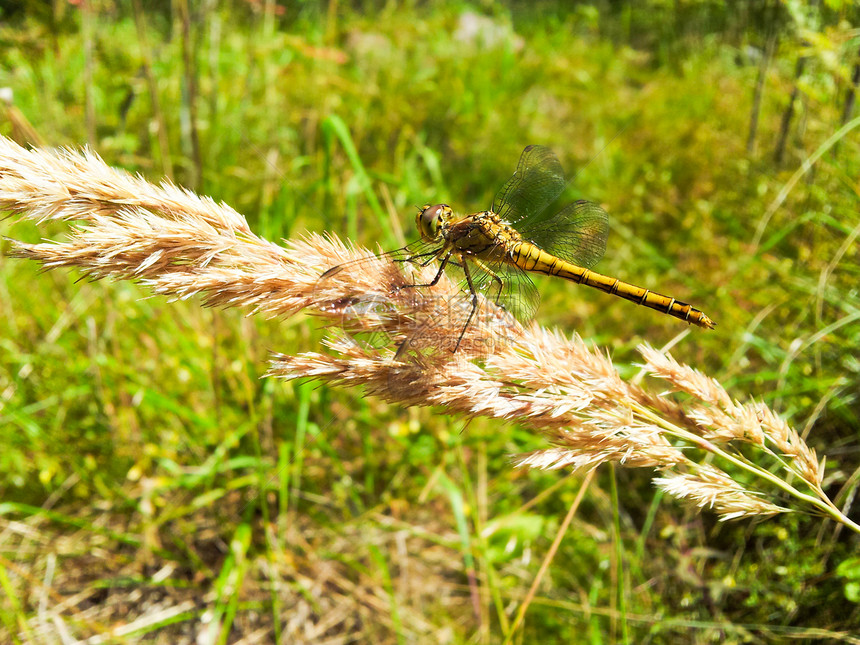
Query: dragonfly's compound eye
[430, 219]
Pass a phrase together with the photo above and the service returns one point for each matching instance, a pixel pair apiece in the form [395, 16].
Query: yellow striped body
[529, 257]
[485, 238]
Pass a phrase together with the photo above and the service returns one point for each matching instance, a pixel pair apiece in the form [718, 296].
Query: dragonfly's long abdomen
[531, 258]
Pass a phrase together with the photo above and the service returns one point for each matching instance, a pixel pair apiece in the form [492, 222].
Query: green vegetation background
[143, 426]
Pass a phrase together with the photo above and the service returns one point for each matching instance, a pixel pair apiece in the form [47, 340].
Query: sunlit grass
[146, 423]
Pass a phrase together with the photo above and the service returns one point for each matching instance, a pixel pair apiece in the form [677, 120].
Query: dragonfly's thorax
[484, 235]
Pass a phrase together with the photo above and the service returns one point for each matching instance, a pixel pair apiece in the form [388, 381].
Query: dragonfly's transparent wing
[538, 182]
[458, 323]
[414, 252]
[366, 296]
[577, 233]
[507, 286]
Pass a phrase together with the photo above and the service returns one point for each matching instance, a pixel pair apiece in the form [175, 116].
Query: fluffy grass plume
[182, 245]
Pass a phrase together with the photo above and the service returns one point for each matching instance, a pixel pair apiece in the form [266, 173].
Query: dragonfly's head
[430, 220]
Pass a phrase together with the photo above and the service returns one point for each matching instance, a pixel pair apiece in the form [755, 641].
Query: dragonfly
[496, 250]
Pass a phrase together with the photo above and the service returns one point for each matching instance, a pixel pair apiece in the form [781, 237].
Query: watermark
[423, 327]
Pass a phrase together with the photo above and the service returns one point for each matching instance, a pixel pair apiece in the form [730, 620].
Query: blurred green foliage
[343, 117]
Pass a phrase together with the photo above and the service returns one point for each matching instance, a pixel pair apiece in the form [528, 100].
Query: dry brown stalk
[181, 245]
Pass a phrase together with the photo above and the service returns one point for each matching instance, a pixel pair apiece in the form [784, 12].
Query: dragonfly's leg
[474, 304]
[438, 276]
[496, 279]
[430, 255]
